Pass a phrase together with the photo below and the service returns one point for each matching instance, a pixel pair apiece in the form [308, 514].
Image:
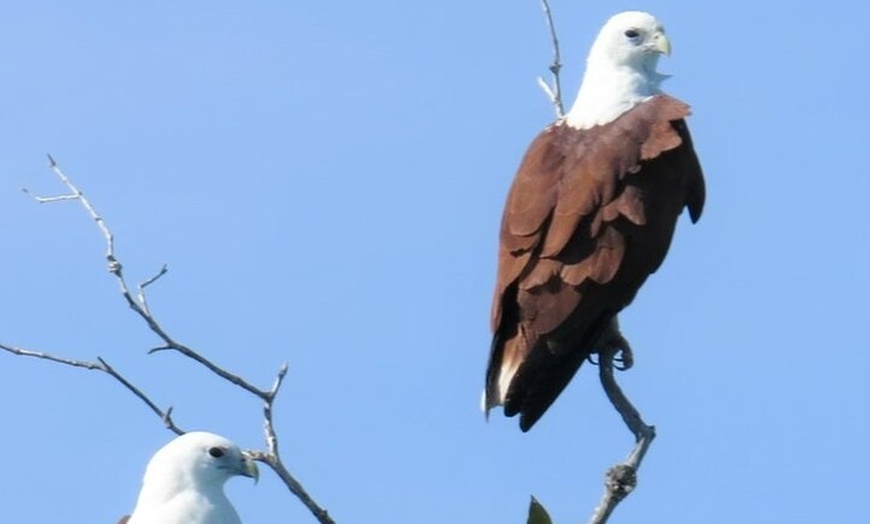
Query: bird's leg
[612, 342]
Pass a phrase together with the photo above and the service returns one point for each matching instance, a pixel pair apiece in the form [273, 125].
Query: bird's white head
[184, 481]
[198, 458]
[621, 69]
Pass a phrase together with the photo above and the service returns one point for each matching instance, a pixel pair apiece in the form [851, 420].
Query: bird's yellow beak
[250, 469]
[663, 45]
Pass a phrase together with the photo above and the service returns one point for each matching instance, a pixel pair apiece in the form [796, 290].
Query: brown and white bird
[589, 217]
[184, 482]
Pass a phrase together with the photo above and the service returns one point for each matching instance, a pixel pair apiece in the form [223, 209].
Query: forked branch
[139, 304]
[102, 366]
[554, 90]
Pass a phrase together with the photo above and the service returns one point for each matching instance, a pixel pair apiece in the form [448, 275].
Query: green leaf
[537, 513]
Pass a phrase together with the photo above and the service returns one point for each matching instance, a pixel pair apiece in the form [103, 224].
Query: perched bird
[589, 217]
[184, 482]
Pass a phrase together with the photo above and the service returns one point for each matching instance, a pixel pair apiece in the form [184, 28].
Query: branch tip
[554, 93]
[163, 270]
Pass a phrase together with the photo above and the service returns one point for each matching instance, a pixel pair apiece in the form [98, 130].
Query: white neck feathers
[608, 91]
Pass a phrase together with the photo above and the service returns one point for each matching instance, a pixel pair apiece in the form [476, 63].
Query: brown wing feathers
[589, 216]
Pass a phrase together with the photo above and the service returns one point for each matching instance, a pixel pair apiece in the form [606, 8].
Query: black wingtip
[528, 419]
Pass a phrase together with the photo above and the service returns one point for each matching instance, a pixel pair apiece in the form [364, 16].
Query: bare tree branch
[273, 456]
[139, 305]
[268, 424]
[621, 479]
[103, 366]
[554, 92]
[165, 416]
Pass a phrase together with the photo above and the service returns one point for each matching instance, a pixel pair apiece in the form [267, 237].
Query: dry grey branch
[621, 479]
[554, 92]
[293, 485]
[102, 366]
[272, 457]
[139, 305]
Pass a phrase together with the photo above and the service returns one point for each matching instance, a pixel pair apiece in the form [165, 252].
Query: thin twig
[272, 457]
[47, 200]
[165, 416]
[621, 479]
[46, 356]
[554, 92]
[140, 306]
[143, 301]
[268, 424]
[102, 366]
[76, 194]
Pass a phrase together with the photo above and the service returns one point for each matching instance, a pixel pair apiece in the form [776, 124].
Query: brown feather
[589, 217]
[124, 520]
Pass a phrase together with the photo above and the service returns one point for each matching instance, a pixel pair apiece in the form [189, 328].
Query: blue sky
[325, 181]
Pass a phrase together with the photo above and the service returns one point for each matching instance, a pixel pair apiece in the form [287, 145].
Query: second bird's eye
[216, 452]
[631, 33]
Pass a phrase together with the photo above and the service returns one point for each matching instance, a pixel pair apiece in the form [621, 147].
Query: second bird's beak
[662, 44]
[249, 467]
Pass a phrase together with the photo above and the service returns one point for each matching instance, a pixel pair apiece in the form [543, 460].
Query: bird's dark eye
[631, 33]
[216, 452]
